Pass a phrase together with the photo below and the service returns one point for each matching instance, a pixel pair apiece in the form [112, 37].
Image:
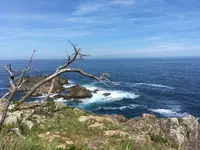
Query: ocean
[166, 87]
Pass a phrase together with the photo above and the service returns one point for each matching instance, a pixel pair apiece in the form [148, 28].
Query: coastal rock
[75, 92]
[29, 105]
[95, 145]
[174, 133]
[97, 125]
[28, 113]
[181, 132]
[107, 94]
[95, 91]
[36, 119]
[3, 101]
[59, 106]
[27, 123]
[31, 80]
[11, 119]
[116, 133]
[78, 92]
[92, 119]
[17, 114]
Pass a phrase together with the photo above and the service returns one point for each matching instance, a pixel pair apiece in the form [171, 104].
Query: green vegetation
[62, 130]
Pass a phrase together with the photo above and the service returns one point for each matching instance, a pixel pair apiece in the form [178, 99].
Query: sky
[102, 28]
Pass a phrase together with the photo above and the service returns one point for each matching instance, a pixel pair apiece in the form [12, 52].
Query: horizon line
[113, 58]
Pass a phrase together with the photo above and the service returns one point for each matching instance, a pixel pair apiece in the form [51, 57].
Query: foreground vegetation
[66, 128]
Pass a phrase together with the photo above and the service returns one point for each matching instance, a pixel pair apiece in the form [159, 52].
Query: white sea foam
[3, 88]
[131, 106]
[99, 96]
[153, 85]
[70, 84]
[169, 112]
[60, 100]
[44, 95]
[114, 95]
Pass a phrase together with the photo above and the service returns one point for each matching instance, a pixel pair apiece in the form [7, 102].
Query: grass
[66, 126]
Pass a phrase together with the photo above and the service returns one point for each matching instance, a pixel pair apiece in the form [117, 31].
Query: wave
[70, 84]
[131, 106]
[99, 97]
[60, 100]
[44, 95]
[1, 89]
[169, 112]
[152, 85]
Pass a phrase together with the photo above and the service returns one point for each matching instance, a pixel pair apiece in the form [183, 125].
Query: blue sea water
[166, 87]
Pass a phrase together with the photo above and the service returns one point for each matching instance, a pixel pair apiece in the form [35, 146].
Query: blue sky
[103, 28]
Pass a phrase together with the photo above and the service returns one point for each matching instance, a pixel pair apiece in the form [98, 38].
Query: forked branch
[77, 55]
[14, 86]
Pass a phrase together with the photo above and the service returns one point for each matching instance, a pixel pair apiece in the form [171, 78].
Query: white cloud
[95, 6]
[123, 2]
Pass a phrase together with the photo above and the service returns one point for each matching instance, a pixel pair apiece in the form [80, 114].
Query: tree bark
[4, 113]
[14, 86]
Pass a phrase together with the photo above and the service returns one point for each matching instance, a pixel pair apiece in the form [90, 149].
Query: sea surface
[166, 87]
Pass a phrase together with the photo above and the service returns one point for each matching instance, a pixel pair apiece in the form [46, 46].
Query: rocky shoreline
[174, 133]
[29, 81]
[163, 133]
[73, 92]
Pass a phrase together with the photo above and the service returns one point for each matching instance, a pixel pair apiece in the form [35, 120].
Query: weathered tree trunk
[51, 88]
[4, 113]
[13, 86]
[60, 70]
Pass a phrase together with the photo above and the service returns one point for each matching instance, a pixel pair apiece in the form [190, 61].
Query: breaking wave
[154, 85]
[149, 85]
[99, 97]
[169, 112]
[115, 95]
[70, 84]
[131, 106]
[1, 89]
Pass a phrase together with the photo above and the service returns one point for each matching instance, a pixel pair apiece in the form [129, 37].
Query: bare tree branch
[7, 94]
[71, 58]
[26, 68]
[14, 86]
[34, 88]
[60, 70]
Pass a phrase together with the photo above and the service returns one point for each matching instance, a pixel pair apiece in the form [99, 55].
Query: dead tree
[77, 55]
[14, 86]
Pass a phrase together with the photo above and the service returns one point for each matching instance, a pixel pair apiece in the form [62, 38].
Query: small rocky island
[53, 125]
[74, 92]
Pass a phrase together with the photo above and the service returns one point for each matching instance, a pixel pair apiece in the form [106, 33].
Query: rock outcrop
[31, 80]
[178, 132]
[174, 133]
[75, 92]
